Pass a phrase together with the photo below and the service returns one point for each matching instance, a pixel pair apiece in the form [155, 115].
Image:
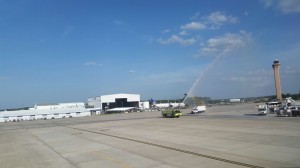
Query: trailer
[289, 109]
[296, 112]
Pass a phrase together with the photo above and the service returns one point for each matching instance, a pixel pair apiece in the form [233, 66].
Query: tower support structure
[276, 66]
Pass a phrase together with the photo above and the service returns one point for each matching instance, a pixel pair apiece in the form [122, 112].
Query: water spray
[190, 93]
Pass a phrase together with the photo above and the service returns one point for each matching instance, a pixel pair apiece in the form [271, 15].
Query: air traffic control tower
[276, 66]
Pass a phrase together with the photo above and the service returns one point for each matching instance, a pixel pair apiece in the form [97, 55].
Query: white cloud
[132, 71]
[183, 33]
[165, 31]
[291, 70]
[267, 3]
[176, 39]
[213, 21]
[195, 16]
[226, 43]
[258, 79]
[193, 26]
[2, 78]
[285, 6]
[92, 63]
[216, 19]
[289, 6]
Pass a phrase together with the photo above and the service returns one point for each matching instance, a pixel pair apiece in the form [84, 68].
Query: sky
[55, 51]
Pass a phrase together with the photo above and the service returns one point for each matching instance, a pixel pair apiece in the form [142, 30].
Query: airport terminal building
[113, 101]
[49, 111]
[97, 105]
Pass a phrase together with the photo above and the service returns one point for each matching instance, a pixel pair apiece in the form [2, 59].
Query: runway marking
[170, 148]
[118, 162]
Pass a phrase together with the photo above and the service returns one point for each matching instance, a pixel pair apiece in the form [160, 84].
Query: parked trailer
[296, 113]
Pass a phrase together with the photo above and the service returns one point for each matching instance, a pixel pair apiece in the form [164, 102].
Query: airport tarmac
[225, 136]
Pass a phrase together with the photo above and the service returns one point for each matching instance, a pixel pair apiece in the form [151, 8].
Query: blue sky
[69, 50]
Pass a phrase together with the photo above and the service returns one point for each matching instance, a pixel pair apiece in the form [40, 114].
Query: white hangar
[112, 101]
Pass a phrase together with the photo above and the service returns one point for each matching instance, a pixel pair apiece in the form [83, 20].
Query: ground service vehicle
[284, 111]
[289, 108]
[296, 111]
[262, 109]
[171, 113]
[199, 109]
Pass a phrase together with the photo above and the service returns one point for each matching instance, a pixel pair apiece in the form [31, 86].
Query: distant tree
[271, 98]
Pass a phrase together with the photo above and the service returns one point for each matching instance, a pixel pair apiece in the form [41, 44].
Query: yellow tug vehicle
[171, 113]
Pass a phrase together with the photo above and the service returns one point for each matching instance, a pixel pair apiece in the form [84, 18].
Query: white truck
[262, 109]
[199, 109]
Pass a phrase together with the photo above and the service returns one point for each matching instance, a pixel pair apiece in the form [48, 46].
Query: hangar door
[122, 102]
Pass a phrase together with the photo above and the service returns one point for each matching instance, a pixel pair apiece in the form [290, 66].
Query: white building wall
[112, 98]
[48, 112]
[46, 107]
[235, 100]
[108, 98]
[72, 105]
[59, 106]
[83, 114]
[95, 102]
